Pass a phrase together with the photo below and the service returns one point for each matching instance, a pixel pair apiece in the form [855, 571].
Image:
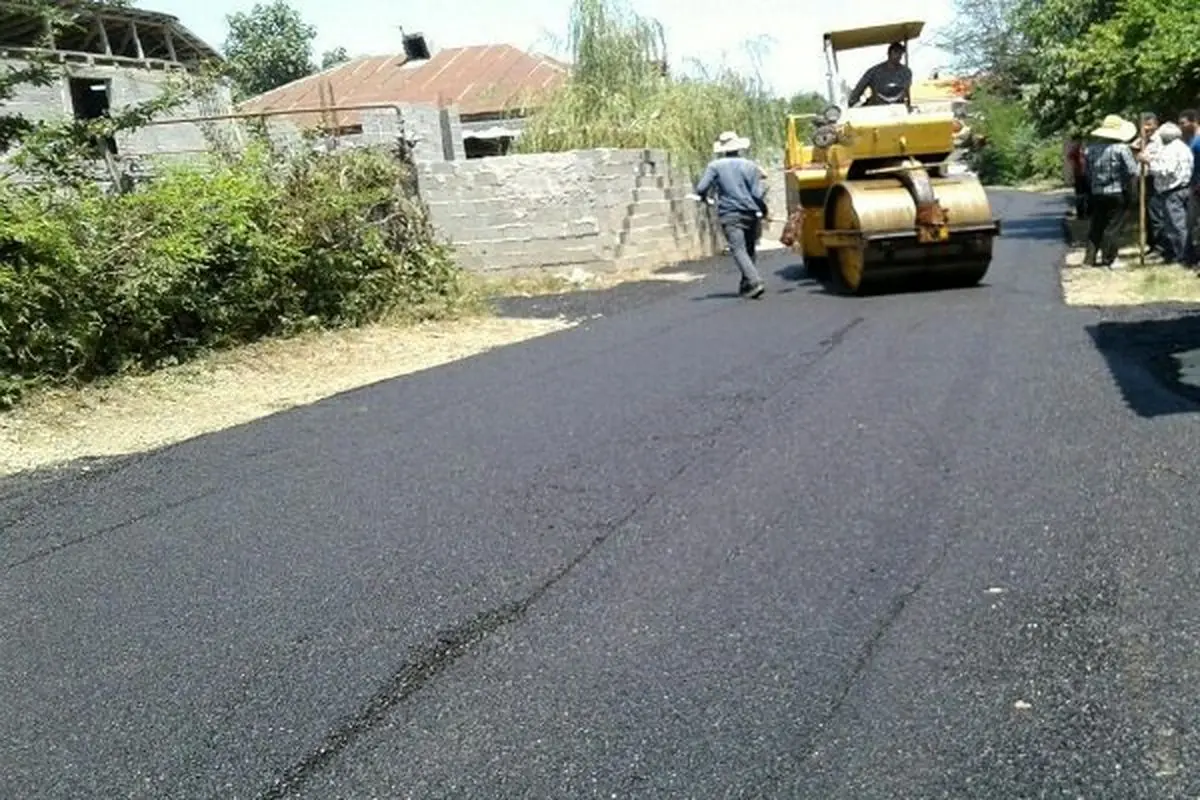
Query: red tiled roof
[479, 80]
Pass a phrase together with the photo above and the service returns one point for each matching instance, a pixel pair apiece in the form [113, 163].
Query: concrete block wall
[593, 209]
[776, 201]
[380, 127]
[129, 85]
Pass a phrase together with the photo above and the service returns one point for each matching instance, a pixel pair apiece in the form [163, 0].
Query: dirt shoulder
[1129, 282]
[133, 414]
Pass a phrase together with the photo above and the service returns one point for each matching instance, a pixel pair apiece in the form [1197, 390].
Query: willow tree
[620, 94]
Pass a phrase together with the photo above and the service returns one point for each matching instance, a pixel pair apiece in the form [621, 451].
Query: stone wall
[592, 209]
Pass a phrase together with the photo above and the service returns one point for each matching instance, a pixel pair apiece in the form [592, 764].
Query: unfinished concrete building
[112, 57]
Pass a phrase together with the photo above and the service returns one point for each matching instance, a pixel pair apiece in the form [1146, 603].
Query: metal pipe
[278, 112]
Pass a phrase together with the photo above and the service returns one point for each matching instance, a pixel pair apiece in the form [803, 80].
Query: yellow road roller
[871, 200]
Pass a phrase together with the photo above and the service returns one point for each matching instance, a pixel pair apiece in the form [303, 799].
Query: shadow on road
[1155, 362]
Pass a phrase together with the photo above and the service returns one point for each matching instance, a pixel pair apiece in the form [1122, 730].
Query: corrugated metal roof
[485, 79]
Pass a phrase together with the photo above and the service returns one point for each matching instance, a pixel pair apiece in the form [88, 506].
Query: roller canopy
[874, 36]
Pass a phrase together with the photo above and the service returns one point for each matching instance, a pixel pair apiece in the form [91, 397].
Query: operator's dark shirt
[888, 84]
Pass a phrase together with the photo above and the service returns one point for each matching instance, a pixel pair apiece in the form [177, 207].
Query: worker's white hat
[1116, 128]
[729, 142]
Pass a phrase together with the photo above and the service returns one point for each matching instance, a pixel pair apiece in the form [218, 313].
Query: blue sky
[707, 30]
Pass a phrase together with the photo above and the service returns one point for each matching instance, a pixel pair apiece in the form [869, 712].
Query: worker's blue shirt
[1195, 145]
[739, 185]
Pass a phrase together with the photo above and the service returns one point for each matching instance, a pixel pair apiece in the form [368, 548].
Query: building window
[484, 148]
[91, 99]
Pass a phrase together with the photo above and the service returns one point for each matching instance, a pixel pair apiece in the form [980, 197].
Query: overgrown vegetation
[235, 247]
[1015, 152]
[1054, 68]
[621, 95]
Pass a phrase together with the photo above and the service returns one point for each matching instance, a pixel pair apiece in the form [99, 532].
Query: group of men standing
[1108, 183]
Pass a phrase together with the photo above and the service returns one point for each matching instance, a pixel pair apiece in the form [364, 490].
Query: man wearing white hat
[741, 204]
[1171, 170]
[1111, 171]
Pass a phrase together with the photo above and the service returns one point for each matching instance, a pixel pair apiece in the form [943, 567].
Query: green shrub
[1014, 152]
[209, 255]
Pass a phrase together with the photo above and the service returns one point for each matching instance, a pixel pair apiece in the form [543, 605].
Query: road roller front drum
[875, 239]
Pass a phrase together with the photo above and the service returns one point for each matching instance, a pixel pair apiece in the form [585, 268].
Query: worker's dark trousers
[742, 235]
[1107, 222]
[1153, 218]
[1083, 191]
[1193, 248]
[1171, 210]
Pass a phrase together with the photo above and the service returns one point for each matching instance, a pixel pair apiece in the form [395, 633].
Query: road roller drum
[876, 240]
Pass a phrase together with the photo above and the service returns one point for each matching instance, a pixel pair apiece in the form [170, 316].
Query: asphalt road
[913, 546]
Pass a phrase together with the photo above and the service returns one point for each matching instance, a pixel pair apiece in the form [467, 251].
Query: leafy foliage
[268, 46]
[241, 245]
[1132, 56]
[1016, 152]
[209, 255]
[1073, 61]
[331, 58]
[985, 38]
[1062, 65]
[619, 94]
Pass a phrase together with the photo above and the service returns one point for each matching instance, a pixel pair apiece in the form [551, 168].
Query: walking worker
[741, 204]
[1111, 171]
[1171, 169]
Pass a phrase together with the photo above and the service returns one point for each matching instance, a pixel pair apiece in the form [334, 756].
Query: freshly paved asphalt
[911, 546]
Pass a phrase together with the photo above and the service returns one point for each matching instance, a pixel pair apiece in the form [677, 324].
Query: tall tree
[331, 58]
[986, 40]
[267, 47]
[1122, 56]
[806, 103]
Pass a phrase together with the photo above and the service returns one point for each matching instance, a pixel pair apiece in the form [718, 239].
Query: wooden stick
[1142, 203]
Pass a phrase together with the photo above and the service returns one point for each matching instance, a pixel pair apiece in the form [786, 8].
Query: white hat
[1169, 132]
[1116, 128]
[729, 142]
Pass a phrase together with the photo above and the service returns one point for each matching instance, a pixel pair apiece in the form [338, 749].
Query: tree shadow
[1155, 362]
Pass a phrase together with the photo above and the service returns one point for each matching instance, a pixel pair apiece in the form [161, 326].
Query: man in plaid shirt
[1111, 170]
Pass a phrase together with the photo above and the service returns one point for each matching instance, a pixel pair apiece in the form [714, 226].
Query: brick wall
[594, 209]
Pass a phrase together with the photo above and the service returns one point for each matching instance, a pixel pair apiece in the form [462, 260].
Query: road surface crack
[163, 508]
[451, 644]
[430, 660]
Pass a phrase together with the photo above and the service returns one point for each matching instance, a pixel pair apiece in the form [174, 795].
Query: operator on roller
[889, 81]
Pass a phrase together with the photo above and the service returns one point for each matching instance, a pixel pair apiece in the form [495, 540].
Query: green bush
[209, 255]
[1014, 152]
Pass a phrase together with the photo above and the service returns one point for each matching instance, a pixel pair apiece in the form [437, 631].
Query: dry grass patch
[539, 283]
[1129, 284]
[133, 414]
